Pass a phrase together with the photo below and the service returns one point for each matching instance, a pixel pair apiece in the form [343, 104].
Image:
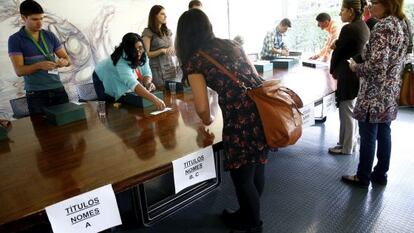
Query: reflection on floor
[303, 191]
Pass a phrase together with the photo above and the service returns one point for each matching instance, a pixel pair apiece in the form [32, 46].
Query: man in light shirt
[333, 28]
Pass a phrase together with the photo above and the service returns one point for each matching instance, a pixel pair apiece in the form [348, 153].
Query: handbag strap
[224, 70]
[410, 36]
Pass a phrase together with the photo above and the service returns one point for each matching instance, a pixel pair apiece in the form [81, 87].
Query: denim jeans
[99, 89]
[37, 100]
[374, 136]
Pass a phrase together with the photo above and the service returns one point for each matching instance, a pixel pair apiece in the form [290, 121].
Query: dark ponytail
[356, 5]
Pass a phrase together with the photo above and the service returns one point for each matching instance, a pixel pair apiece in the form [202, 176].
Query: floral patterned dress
[243, 136]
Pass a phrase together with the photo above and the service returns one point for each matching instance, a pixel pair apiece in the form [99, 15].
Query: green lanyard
[42, 38]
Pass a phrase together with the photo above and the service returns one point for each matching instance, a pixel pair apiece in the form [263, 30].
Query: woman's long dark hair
[194, 31]
[152, 24]
[128, 46]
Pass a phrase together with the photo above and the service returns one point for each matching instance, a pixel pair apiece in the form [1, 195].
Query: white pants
[348, 126]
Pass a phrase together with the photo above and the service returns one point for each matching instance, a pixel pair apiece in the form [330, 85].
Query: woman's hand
[212, 118]
[204, 136]
[352, 64]
[159, 104]
[170, 51]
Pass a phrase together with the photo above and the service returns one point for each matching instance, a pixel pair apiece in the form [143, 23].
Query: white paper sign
[194, 168]
[89, 212]
[329, 104]
[308, 116]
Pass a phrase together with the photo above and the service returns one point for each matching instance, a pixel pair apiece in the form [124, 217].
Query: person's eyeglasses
[374, 2]
[140, 49]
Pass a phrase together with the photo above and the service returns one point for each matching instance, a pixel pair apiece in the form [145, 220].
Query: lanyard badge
[46, 53]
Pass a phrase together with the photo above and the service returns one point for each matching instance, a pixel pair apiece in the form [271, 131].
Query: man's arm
[333, 36]
[21, 69]
[63, 56]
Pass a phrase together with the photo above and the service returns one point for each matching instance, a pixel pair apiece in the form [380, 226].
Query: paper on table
[161, 111]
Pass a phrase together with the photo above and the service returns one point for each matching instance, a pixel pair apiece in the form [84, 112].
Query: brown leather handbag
[278, 110]
[407, 88]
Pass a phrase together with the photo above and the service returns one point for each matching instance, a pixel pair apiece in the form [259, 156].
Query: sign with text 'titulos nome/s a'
[90, 212]
[194, 168]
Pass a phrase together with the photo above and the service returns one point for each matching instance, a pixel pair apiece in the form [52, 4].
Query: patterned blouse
[380, 73]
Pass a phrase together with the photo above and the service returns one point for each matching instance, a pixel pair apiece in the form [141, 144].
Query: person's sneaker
[335, 147]
[336, 151]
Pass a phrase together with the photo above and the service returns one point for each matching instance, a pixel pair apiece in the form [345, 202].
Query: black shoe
[354, 181]
[238, 223]
[377, 180]
[232, 218]
[249, 229]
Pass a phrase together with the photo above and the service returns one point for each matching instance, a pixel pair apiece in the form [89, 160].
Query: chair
[20, 107]
[86, 92]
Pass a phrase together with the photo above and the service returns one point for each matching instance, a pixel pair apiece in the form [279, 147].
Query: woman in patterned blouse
[377, 101]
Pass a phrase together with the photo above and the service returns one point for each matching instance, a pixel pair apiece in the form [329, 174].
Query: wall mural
[89, 31]
[84, 48]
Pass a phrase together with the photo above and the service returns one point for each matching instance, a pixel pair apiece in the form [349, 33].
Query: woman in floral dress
[245, 148]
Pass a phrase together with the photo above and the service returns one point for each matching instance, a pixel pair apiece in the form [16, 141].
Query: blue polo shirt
[21, 44]
[120, 79]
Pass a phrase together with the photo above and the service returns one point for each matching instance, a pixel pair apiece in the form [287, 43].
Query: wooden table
[42, 164]
[311, 84]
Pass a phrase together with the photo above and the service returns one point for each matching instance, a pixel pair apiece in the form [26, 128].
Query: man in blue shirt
[273, 44]
[33, 52]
